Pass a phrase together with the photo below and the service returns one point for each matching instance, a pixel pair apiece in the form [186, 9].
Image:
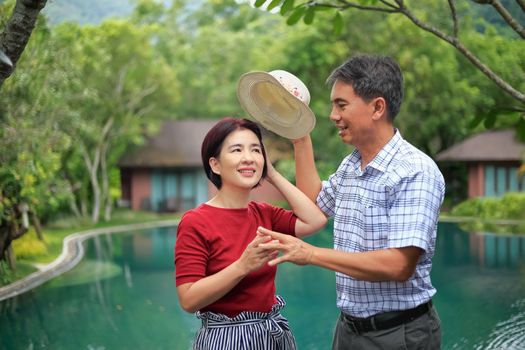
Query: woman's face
[240, 162]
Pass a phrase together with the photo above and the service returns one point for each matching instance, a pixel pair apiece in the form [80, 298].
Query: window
[501, 179]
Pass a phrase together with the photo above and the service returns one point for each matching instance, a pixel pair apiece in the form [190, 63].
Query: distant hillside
[86, 11]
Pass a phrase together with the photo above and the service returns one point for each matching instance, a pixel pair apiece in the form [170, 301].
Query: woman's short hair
[212, 144]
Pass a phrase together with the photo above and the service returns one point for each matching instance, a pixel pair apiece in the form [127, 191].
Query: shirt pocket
[376, 227]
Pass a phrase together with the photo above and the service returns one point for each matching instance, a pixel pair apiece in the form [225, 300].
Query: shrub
[6, 275]
[29, 246]
[511, 206]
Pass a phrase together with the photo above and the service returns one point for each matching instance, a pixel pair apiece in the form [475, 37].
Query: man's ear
[214, 165]
[379, 108]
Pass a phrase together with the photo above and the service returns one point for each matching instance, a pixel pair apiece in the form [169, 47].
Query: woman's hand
[294, 250]
[255, 256]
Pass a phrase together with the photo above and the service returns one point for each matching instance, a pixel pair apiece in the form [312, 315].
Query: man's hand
[292, 248]
[256, 255]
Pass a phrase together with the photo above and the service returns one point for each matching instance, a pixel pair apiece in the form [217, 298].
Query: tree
[118, 80]
[15, 36]
[429, 19]
[29, 159]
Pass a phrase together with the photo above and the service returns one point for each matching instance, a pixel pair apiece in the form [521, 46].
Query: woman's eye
[258, 150]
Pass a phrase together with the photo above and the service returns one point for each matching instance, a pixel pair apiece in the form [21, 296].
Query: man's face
[351, 115]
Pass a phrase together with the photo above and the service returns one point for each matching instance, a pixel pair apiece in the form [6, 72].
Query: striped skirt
[247, 331]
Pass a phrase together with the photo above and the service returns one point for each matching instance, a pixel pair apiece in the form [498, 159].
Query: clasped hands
[293, 249]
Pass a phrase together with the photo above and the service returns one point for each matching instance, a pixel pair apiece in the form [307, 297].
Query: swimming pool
[122, 295]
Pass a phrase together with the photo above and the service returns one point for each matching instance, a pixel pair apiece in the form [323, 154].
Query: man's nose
[334, 115]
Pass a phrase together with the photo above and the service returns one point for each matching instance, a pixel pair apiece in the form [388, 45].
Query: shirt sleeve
[414, 211]
[191, 252]
[283, 220]
[326, 198]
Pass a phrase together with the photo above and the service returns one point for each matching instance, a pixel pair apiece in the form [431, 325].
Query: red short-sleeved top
[211, 238]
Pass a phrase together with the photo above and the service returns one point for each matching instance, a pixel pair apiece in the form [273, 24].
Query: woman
[221, 272]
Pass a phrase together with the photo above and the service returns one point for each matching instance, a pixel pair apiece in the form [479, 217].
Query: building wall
[140, 189]
[494, 179]
[476, 181]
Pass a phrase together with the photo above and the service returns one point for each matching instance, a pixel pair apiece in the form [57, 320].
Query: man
[385, 198]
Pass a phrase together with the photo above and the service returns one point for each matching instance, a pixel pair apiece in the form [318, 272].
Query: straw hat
[279, 101]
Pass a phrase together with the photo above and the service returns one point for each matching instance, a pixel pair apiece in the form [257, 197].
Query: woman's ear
[215, 165]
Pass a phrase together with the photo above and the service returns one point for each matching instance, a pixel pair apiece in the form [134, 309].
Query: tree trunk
[11, 258]
[36, 223]
[108, 205]
[4, 240]
[14, 38]
[74, 207]
[9, 231]
[84, 207]
[92, 168]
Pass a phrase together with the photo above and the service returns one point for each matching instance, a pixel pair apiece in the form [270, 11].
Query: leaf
[273, 4]
[259, 3]
[490, 120]
[296, 15]
[309, 15]
[520, 131]
[475, 121]
[287, 6]
[338, 23]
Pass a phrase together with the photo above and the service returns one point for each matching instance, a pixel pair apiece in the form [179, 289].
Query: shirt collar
[383, 158]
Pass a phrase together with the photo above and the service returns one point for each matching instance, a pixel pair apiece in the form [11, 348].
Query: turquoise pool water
[122, 296]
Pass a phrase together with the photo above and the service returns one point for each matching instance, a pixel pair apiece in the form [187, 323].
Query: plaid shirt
[394, 202]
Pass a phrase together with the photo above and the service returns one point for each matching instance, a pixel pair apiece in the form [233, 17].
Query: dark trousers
[423, 332]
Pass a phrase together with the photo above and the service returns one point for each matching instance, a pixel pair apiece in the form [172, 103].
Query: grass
[30, 252]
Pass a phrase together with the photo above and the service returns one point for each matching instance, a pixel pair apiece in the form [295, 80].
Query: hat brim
[276, 109]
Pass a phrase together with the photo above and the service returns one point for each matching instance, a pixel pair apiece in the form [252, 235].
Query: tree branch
[346, 4]
[388, 4]
[454, 14]
[518, 28]
[14, 38]
[467, 53]
[134, 101]
[521, 3]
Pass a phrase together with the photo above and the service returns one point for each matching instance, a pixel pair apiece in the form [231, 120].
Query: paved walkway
[72, 253]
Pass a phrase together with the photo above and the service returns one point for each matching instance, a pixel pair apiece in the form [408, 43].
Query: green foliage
[486, 210]
[474, 20]
[29, 246]
[509, 206]
[287, 6]
[6, 274]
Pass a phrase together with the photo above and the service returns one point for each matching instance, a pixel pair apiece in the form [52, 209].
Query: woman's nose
[247, 157]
